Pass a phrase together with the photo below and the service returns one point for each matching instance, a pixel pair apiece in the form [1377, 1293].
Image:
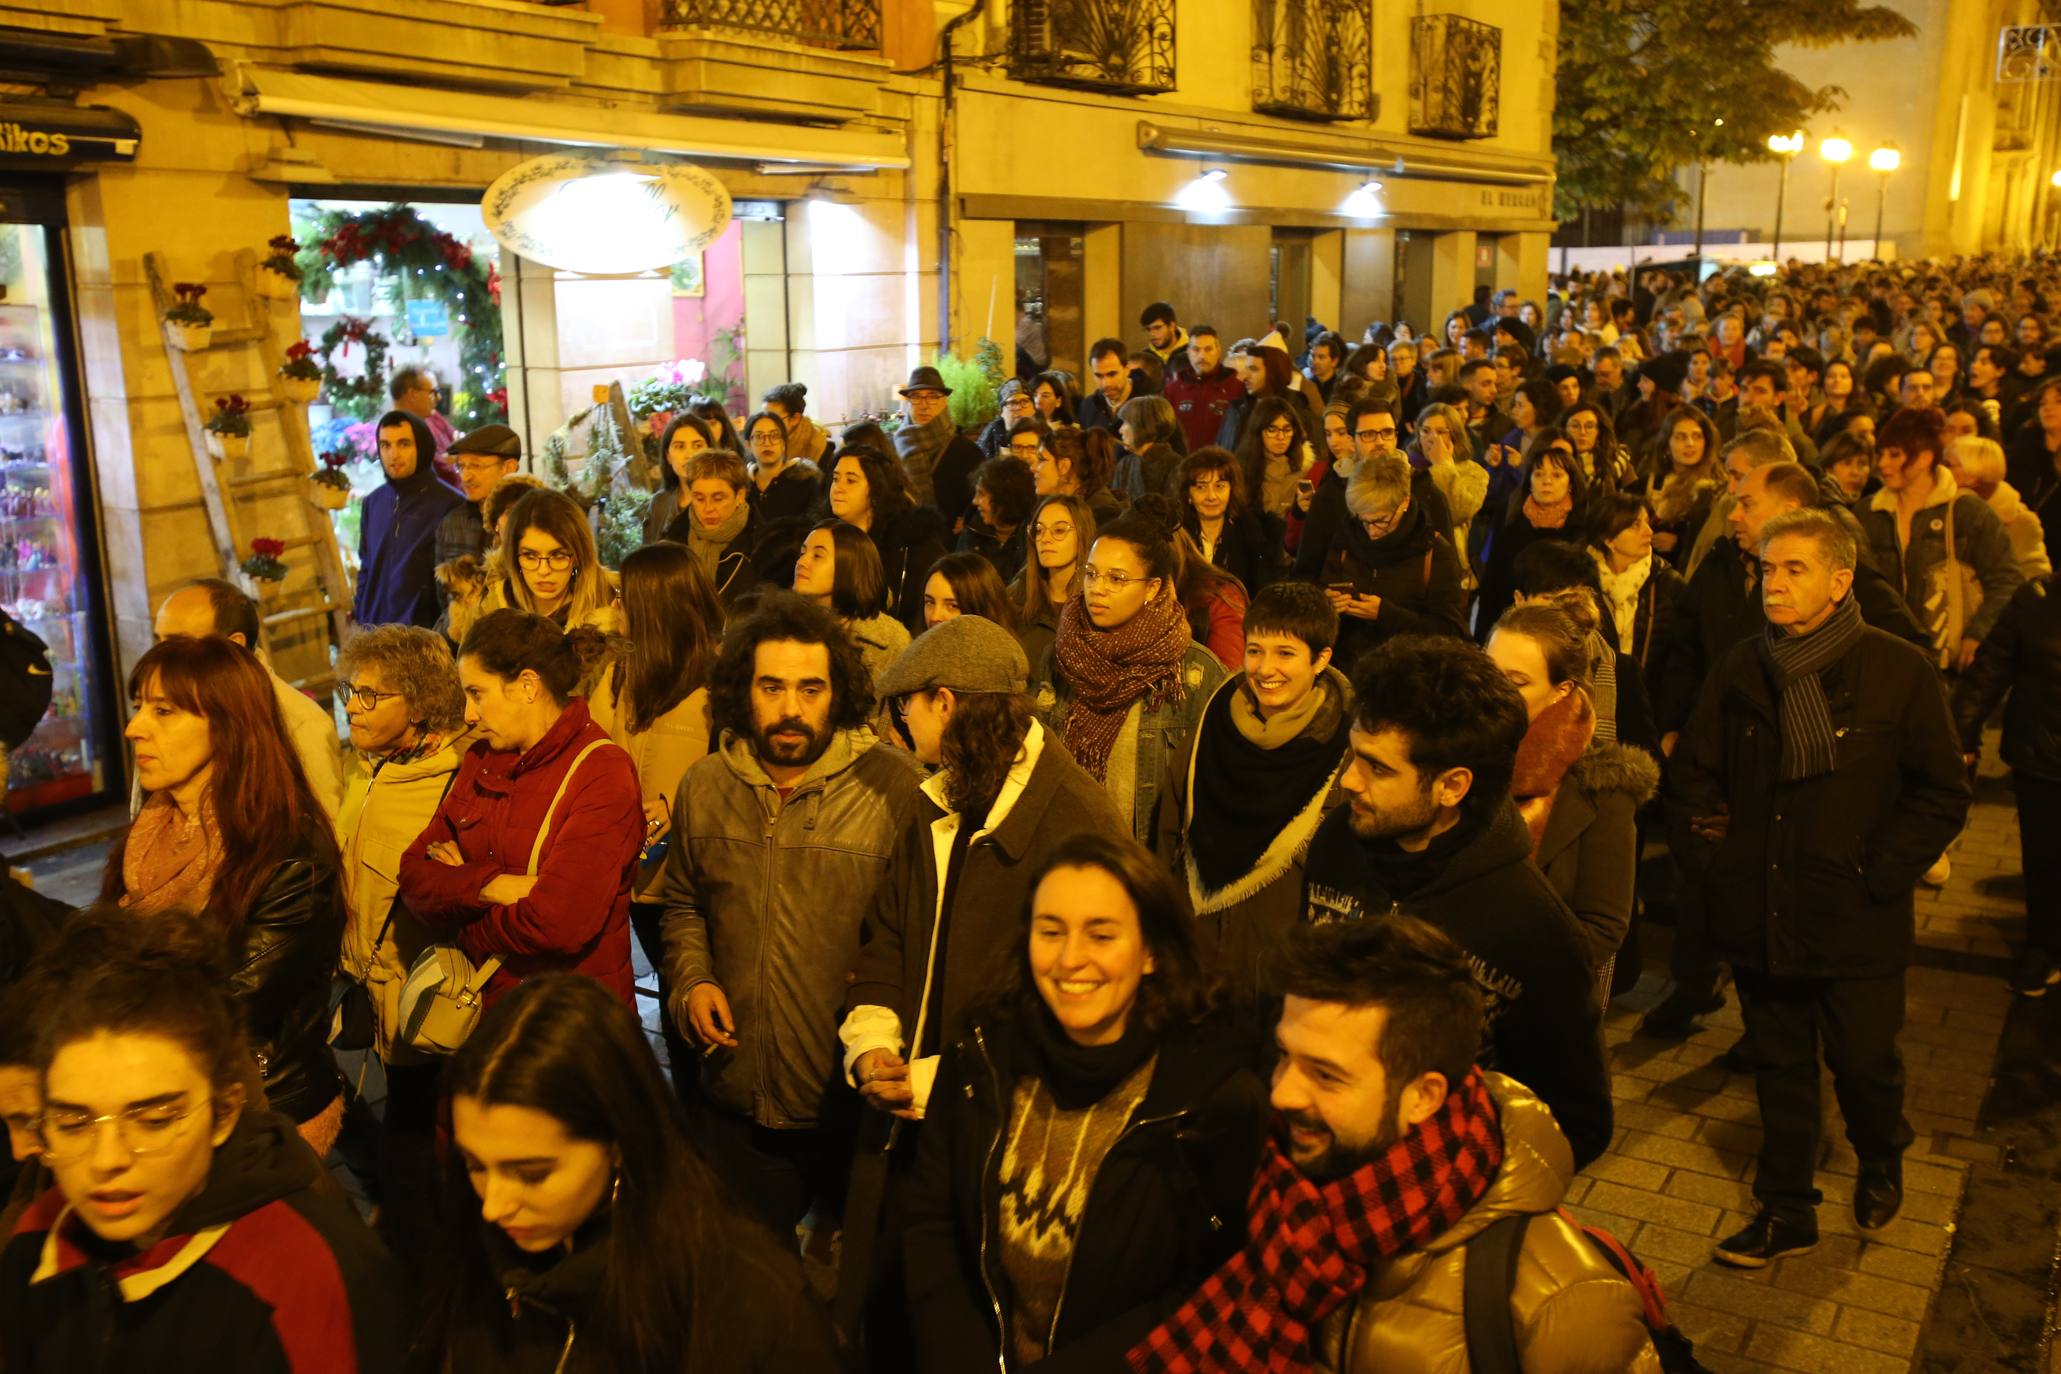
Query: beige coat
[383, 811]
[662, 752]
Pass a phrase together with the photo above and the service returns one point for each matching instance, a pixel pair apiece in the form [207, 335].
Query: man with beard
[1430, 831]
[1201, 392]
[1395, 1153]
[779, 836]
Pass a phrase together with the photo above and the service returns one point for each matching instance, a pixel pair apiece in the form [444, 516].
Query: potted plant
[229, 428]
[329, 486]
[189, 324]
[279, 276]
[263, 564]
[300, 376]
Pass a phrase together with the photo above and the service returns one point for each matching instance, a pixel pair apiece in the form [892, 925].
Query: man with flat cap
[482, 458]
[950, 906]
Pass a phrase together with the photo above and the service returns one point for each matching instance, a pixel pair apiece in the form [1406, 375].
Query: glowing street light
[1785, 147]
[1885, 160]
[1835, 150]
[1206, 194]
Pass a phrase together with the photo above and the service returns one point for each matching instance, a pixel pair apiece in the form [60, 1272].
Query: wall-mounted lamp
[1365, 201]
[1206, 194]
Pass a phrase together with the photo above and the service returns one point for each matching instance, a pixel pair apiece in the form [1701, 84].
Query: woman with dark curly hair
[1134, 1116]
[866, 490]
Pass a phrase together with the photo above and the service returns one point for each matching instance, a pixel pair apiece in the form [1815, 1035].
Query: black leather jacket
[2022, 657]
[284, 957]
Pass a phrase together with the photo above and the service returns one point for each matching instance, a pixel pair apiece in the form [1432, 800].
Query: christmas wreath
[362, 397]
[429, 264]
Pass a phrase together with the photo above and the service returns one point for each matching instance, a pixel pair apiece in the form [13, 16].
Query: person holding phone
[1391, 570]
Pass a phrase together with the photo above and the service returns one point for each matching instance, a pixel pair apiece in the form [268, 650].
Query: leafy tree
[1649, 86]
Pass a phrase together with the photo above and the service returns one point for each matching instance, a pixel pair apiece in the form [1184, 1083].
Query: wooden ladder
[303, 618]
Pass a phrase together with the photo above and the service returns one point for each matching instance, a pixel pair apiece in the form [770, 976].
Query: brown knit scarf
[1551, 517]
[170, 863]
[1558, 737]
[1107, 670]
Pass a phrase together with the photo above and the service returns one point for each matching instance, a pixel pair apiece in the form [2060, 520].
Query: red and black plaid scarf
[1310, 1245]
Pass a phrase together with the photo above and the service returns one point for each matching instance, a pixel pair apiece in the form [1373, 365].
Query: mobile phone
[1305, 487]
[1342, 588]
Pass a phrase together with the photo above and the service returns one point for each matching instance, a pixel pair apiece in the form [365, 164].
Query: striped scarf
[1311, 1246]
[1808, 745]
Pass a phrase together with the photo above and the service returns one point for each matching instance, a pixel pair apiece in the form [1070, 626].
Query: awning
[254, 90]
[50, 134]
[1336, 153]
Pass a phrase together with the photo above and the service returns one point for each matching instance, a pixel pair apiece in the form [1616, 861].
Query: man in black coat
[1818, 778]
[1431, 832]
[1720, 608]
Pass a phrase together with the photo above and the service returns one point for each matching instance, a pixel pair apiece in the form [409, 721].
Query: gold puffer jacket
[1574, 1313]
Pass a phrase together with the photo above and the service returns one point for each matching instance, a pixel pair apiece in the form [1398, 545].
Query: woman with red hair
[230, 833]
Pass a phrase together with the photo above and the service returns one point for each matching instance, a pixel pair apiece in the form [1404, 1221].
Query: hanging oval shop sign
[606, 216]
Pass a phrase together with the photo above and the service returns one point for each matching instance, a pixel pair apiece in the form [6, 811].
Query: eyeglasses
[1043, 532]
[150, 1130]
[558, 561]
[1280, 431]
[366, 698]
[481, 465]
[1091, 576]
[1388, 433]
[762, 435]
[1381, 524]
[1026, 451]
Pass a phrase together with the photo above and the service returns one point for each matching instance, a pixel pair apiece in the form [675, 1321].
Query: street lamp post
[1885, 160]
[1835, 150]
[1785, 147]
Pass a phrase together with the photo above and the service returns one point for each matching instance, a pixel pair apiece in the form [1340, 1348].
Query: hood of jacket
[1617, 768]
[2006, 504]
[846, 747]
[1944, 490]
[1537, 1165]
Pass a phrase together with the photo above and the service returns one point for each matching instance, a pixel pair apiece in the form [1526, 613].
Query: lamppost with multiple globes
[1785, 147]
[1835, 150]
[1884, 160]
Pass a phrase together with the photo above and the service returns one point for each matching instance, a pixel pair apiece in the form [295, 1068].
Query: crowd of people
[1136, 888]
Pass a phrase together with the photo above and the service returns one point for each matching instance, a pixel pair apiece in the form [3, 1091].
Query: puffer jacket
[661, 753]
[764, 898]
[577, 918]
[1572, 1311]
[386, 805]
[1162, 1211]
[1590, 849]
[284, 955]
[1920, 569]
[2022, 656]
[1156, 734]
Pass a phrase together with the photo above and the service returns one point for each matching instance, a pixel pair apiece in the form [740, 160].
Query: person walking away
[1818, 778]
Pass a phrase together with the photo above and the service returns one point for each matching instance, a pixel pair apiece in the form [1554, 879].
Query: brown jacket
[1574, 1313]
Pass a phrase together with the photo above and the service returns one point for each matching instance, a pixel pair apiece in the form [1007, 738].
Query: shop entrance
[1050, 298]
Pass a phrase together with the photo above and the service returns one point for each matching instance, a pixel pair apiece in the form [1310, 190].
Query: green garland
[429, 264]
[357, 398]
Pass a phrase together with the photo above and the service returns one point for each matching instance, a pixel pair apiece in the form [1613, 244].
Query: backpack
[1491, 1272]
[26, 681]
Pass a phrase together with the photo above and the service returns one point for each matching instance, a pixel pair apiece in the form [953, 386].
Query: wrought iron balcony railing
[1110, 45]
[849, 24]
[1456, 77]
[1313, 59]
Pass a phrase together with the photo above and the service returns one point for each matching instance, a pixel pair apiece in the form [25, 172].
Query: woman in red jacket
[530, 858]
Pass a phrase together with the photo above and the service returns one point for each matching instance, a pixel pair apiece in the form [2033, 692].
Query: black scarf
[1809, 747]
[1408, 542]
[1402, 873]
[1080, 1075]
[1244, 795]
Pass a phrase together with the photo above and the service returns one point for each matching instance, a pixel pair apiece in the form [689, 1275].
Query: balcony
[486, 44]
[1312, 59]
[842, 25]
[1456, 77]
[788, 59]
[1120, 46]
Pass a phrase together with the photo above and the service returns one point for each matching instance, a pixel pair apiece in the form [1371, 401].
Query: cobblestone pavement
[1678, 1176]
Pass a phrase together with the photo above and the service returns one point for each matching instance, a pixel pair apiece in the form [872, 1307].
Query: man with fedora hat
[1005, 796]
[937, 460]
[482, 458]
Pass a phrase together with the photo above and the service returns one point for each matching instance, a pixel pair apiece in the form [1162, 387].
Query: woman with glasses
[1604, 465]
[530, 858]
[599, 1241]
[805, 438]
[1390, 571]
[188, 1228]
[1273, 454]
[684, 439]
[782, 487]
[1226, 532]
[653, 701]
[1550, 501]
[1125, 682]
[554, 569]
[229, 832]
[1061, 529]
[840, 569]
[1013, 403]
[1003, 494]
[407, 715]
